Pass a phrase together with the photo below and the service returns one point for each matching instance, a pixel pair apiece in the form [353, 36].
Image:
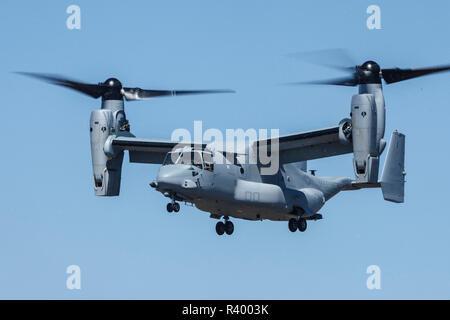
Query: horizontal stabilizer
[393, 176]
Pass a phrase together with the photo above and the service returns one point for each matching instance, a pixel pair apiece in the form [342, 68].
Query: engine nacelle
[107, 166]
[364, 137]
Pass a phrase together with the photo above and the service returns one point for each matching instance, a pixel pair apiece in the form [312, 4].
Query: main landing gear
[299, 225]
[227, 227]
[173, 207]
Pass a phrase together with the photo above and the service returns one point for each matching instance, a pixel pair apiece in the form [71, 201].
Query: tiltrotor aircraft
[227, 184]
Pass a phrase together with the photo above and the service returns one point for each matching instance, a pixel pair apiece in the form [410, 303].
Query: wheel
[176, 207]
[293, 225]
[302, 225]
[220, 228]
[229, 227]
[169, 207]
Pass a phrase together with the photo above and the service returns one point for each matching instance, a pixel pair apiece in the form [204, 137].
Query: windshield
[202, 160]
[191, 158]
[171, 158]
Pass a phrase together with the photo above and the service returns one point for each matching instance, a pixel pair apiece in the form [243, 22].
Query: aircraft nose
[171, 176]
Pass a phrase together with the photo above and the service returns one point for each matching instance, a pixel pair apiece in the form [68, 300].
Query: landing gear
[293, 225]
[299, 225]
[302, 225]
[173, 207]
[220, 228]
[227, 227]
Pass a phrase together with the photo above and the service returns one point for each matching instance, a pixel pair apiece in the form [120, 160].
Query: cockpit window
[191, 158]
[202, 160]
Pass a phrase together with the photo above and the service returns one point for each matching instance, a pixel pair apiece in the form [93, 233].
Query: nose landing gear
[173, 207]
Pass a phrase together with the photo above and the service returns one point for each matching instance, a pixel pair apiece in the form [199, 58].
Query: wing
[148, 150]
[310, 145]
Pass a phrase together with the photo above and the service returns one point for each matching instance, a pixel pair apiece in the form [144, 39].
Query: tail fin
[392, 181]
[393, 176]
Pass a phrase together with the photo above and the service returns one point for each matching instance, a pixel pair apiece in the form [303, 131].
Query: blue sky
[129, 246]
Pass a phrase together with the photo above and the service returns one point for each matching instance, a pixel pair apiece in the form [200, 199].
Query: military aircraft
[230, 184]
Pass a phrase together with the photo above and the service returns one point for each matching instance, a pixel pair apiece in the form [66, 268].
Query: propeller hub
[113, 83]
[371, 66]
[369, 72]
[113, 89]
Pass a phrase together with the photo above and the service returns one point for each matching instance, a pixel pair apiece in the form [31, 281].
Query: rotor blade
[140, 94]
[396, 74]
[347, 81]
[92, 90]
[332, 58]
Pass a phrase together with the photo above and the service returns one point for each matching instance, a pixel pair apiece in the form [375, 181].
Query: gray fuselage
[240, 191]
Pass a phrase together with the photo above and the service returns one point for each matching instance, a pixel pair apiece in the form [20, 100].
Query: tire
[220, 228]
[302, 225]
[293, 225]
[176, 207]
[169, 207]
[229, 227]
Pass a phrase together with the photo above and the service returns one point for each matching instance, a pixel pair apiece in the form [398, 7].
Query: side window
[208, 161]
[198, 160]
[240, 161]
